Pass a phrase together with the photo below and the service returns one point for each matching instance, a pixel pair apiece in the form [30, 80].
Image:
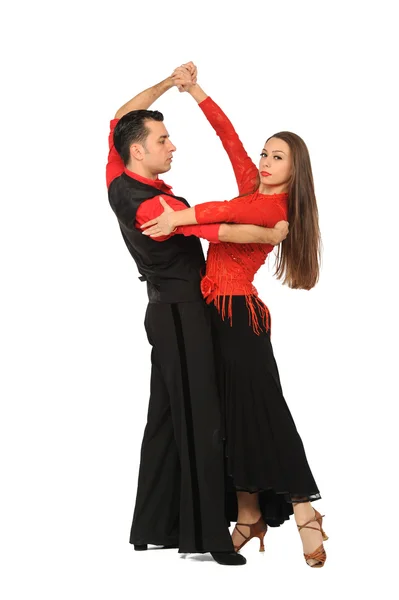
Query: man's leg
[156, 514]
[182, 336]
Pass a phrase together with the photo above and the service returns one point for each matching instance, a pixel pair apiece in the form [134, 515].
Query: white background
[75, 358]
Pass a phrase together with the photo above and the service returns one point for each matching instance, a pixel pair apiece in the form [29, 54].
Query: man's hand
[280, 232]
[193, 70]
[162, 225]
[185, 76]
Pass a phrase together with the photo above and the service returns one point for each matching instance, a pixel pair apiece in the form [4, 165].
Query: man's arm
[144, 100]
[253, 234]
[115, 166]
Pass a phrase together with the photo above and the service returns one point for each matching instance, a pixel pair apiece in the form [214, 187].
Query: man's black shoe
[145, 547]
[229, 558]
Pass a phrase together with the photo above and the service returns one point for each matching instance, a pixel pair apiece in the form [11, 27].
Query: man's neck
[139, 170]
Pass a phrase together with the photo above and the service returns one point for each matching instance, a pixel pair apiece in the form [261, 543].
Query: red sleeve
[245, 171]
[150, 209]
[209, 232]
[265, 212]
[115, 166]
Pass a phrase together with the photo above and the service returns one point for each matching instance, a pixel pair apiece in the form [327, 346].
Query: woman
[266, 462]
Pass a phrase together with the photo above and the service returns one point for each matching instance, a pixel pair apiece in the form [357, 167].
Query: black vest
[172, 268]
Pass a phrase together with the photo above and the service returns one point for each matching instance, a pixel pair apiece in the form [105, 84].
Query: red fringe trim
[251, 302]
[224, 305]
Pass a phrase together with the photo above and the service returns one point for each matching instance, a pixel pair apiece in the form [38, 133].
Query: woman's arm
[246, 173]
[262, 213]
[266, 214]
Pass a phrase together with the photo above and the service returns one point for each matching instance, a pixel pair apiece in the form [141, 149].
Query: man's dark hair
[131, 128]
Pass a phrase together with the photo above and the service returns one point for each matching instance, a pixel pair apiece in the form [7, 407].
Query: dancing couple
[220, 443]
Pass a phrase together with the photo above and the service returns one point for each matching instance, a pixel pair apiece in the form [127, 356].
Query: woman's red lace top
[230, 268]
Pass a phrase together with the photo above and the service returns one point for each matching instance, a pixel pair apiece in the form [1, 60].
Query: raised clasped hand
[185, 76]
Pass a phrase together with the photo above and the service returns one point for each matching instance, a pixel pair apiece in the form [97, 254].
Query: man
[180, 495]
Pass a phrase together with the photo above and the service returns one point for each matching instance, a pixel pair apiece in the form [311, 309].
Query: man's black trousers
[180, 496]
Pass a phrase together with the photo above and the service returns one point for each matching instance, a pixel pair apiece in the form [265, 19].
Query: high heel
[319, 554]
[257, 529]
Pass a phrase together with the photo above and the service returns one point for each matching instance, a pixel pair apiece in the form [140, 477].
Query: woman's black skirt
[264, 452]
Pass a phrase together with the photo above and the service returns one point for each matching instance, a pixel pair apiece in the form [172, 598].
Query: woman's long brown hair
[298, 257]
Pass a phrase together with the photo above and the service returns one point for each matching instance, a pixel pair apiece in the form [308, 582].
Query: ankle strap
[317, 517]
[240, 532]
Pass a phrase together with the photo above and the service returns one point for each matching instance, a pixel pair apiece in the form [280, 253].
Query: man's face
[158, 149]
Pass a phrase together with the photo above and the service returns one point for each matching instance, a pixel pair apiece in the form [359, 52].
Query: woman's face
[275, 166]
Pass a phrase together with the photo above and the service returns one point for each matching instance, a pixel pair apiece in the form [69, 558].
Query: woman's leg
[311, 538]
[263, 447]
[248, 512]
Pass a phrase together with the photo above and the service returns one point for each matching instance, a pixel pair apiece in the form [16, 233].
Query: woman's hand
[162, 225]
[185, 76]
